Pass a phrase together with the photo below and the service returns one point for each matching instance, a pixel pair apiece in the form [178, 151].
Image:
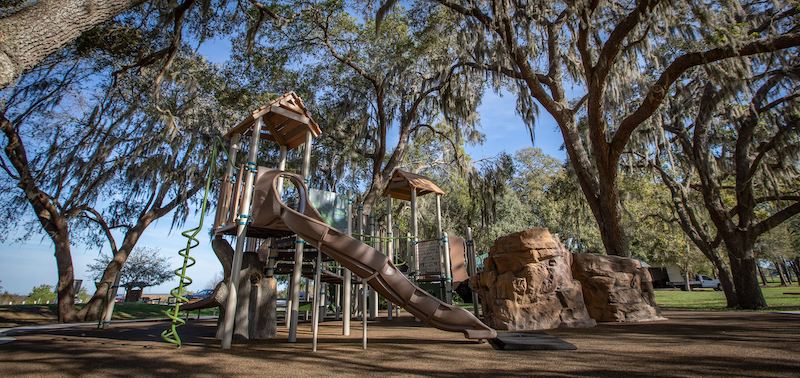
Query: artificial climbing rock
[527, 284]
[615, 289]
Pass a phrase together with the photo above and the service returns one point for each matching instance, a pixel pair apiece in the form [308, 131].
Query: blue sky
[24, 265]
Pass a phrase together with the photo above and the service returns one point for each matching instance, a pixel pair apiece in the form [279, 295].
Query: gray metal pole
[445, 252]
[323, 300]
[311, 291]
[298, 253]
[473, 268]
[244, 214]
[317, 302]
[337, 301]
[348, 276]
[376, 243]
[364, 285]
[282, 166]
[408, 254]
[233, 150]
[414, 232]
[389, 245]
[397, 254]
[364, 290]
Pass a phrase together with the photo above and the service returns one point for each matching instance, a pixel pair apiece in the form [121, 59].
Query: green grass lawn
[707, 299]
[127, 311]
[12, 315]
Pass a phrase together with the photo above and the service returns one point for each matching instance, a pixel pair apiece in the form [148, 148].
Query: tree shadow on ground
[689, 344]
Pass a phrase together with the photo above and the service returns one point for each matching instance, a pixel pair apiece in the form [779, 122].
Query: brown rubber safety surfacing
[688, 344]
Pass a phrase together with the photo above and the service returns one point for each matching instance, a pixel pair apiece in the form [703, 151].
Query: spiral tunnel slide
[372, 266]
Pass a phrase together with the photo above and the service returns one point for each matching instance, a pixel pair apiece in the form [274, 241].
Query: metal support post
[473, 268]
[224, 208]
[323, 300]
[364, 290]
[397, 255]
[445, 252]
[317, 302]
[348, 277]
[337, 301]
[364, 285]
[298, 253]
[389, 246]
[373, 295]
[241, 228]
[282, 166]
[415, 233]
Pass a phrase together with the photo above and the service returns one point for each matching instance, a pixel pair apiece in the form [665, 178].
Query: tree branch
[660, 88]
[613, 45]
[360, 70]
[100, 221]
[776, 219]
[764, 148]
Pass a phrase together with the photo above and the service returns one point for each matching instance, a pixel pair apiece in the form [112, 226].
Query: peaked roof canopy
[286, 121]
[402, 183]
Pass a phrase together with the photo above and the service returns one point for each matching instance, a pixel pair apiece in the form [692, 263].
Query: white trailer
[673, 276]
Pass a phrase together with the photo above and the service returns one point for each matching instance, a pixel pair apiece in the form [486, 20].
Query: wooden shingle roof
[402, 183]
[286, 121]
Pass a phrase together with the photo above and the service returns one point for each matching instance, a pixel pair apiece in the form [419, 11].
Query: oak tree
[602, 69]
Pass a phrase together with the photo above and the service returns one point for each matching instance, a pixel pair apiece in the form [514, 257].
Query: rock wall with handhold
[615, 289]
[256, 309]
[527, 284]
[256, 302]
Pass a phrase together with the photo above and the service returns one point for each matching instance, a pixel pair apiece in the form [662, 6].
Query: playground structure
[276, 234]
[433, 259]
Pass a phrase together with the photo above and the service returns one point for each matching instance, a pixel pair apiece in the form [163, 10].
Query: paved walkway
[688, 344]
[5, 333]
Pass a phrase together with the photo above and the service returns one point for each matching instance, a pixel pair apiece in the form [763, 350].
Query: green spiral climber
[170, 335]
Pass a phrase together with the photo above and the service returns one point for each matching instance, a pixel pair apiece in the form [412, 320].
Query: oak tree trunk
[748, 292]
[724, 276]
[610, 222]
[374, 193]
[796, 268]
[686, 281]
[53, 222]
[600, 191]
[779, 270]
[763, 276]
[727, 287]
[66, 278]
[95, 307]
[31, 34]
